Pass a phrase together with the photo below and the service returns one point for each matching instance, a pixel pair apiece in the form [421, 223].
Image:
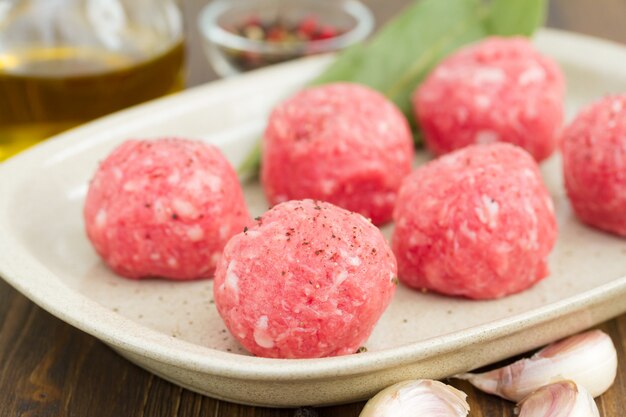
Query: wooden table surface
[48, 368]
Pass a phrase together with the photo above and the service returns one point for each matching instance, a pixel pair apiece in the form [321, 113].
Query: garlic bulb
[589, 359]
[562, 399]
[422, 397]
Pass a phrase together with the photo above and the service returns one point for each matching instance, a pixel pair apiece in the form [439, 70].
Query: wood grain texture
[49, 369]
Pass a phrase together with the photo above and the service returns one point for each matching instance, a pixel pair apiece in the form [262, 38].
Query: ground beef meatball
[342, 143]
[308, 280]
[164, 208]
[498, 90]
[477, 223]
[594, 164]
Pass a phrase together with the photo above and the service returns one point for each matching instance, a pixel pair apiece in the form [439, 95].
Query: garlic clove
[422, 397]
[589, 359]
[562, 399]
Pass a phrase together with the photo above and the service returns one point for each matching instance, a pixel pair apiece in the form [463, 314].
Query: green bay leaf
[516, 17]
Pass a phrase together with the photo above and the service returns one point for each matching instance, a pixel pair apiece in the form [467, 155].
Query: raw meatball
[164, 208]
[478, 223]
[308, 280]
[341, 143]
[594, 163]
[499, 90]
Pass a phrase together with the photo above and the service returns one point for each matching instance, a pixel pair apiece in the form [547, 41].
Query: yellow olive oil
[44, 91]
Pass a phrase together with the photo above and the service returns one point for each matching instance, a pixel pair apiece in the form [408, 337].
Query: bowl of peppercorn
[243, 35]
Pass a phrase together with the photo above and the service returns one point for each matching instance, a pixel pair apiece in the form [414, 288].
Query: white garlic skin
[422, 397]
[589, 359]
[562, 399]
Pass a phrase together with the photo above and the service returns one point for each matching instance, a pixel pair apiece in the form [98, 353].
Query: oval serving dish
[173, 329]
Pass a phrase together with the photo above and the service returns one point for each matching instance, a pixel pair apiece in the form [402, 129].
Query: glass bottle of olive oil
[64, 62]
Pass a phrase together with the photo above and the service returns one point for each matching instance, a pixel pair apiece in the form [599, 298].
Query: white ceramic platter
[173, 329]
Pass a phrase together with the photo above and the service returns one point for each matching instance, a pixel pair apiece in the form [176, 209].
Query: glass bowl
[223, 23]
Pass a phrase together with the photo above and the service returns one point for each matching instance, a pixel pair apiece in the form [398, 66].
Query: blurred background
[603, 18]
[65, 62]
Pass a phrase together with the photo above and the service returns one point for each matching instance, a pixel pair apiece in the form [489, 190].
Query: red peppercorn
[326, 32]
[308, 26]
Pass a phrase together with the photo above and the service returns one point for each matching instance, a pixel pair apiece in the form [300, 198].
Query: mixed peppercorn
[296, 37]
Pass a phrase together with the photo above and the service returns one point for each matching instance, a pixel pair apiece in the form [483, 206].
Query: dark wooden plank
[48, 368]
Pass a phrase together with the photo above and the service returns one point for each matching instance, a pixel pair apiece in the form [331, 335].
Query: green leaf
[516, 17]
[343, 68]
[249, 168]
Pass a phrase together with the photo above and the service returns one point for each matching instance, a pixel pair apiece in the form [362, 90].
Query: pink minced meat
[594, 164]
[499, 90]
[342, 143]
[308, 280]
[164, 208]
[477, 223]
